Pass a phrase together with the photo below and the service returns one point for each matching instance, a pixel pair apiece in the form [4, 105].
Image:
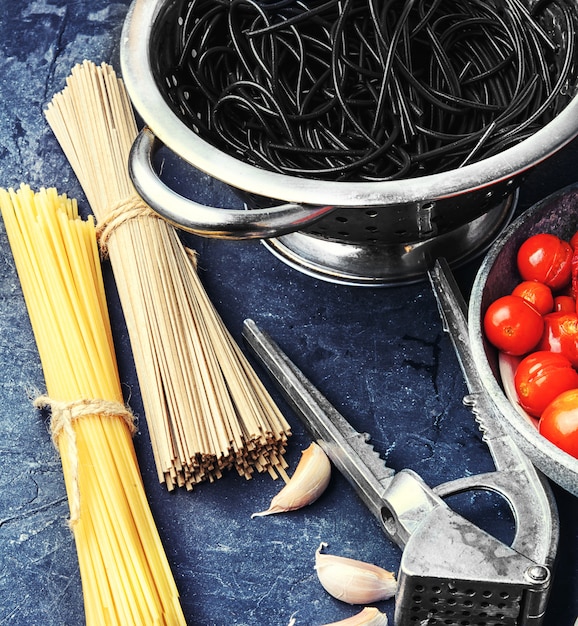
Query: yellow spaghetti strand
[125, 574]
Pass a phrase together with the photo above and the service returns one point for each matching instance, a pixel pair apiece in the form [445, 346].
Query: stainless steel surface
[203, 220]
[527, 492]
[391, 213]
[498, 276]
[451, 571]
[349, 450]
[389, 263]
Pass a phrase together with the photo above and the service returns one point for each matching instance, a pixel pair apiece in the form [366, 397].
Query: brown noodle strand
[205, 409]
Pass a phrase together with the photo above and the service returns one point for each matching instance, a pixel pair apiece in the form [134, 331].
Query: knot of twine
[61, 422]
[128, 209]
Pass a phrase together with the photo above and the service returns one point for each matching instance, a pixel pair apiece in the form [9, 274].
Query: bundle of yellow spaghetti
[125, 575]
[205, 408]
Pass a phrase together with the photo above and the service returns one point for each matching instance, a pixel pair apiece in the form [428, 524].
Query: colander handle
[205, 220]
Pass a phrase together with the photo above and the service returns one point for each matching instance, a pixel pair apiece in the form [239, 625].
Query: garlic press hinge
[452, 571]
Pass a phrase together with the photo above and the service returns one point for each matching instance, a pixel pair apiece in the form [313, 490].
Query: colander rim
[146, 97]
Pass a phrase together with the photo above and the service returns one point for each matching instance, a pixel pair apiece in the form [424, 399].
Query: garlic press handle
[527, 492]
[447, 562]
[207, 221]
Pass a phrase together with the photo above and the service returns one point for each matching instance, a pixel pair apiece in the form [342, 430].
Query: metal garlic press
[451, 571]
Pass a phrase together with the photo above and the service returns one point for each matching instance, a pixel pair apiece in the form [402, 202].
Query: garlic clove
[308, 482]
[369, 616]
[353, 581]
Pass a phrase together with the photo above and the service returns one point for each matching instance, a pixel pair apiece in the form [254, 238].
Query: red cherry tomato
[559, 422]
[546, 258]
[513, 325]
[561, 335]
[540, 377]
[536, 293]
[564, 304]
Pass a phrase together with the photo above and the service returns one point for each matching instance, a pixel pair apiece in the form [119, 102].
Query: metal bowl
[497, 276]
[367, 233]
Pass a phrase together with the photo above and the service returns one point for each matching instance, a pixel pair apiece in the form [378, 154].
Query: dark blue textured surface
[378, 354]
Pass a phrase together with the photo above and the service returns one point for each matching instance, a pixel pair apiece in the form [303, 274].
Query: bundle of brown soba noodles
[125, 574]
[205, 408]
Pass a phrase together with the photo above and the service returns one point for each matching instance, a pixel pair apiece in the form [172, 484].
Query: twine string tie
[63, 416]
[130, 208]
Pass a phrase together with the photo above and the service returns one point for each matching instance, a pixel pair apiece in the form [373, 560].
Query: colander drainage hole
[431, 620]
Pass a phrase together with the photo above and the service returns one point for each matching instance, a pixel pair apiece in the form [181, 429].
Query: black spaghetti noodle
[369, 90]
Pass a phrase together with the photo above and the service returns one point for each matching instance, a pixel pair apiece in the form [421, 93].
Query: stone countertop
[380, 356]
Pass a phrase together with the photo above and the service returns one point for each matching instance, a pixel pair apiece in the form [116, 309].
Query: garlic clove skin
[308, 482]
[369, 616]
[353, 581]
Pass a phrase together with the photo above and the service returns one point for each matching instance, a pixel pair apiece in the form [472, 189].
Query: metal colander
[355, 232]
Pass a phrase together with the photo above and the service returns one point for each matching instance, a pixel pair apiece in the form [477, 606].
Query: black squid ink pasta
[368, 90]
